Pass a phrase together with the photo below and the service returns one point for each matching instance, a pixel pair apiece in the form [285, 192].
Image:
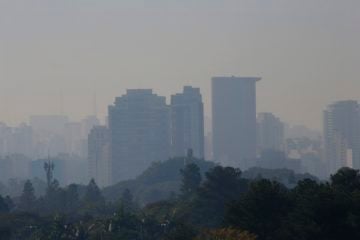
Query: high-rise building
[99, 155]
[342, 135]
[87, 125]
[270, 132]
[139, 124]
[187, 123]
[234, 120]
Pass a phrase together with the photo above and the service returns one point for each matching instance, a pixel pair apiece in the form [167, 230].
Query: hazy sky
[306, 51]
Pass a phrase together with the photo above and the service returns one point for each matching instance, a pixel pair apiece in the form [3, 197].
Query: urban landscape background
[179, 120]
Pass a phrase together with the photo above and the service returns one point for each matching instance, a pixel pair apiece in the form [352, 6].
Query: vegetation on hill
[163, 180]
[160, 181]
[214, 204]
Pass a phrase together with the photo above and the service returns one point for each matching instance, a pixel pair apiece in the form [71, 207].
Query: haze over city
[56, 55]
[179, 119]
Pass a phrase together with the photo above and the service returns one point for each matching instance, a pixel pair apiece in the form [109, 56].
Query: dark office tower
[139, 125]
[99, 155]
[342, 135]
[187, 123]
[234, 120]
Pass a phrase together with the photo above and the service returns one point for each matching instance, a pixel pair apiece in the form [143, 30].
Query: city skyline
[56, 55]
[179, 119]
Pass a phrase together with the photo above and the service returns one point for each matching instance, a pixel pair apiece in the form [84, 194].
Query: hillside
[158, 182]
[162, 180]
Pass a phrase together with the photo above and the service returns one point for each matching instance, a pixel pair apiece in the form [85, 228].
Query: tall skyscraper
[234, 120]
[270, 132]
[99, 155]
[342, 135]
[187, 123]
[139, 125]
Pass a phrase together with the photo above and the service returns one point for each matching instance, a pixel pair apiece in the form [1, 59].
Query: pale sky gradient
[306, 51]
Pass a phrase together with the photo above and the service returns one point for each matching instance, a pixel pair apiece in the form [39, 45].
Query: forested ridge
[210, 203]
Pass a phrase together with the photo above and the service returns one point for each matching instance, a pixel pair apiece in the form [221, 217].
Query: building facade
[187, 123]
[270, 133]
[99, 155]
[342, 135]
[139, 124]
[234, 120]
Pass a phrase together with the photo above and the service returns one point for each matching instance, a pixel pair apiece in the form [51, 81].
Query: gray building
[270, 133]
[139, 124]
[342, 135]
[234, 120]
[187, 123]
[99, 155]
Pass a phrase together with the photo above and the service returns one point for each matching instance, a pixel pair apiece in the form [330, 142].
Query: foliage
[346, 179]
[285, 176]
[191, 179]
[157, 183]
[224, 206]
[262, 209]
[223, 185]
[225, 234]
[4, 208]
[27, 198]
[93, 200]
[127, 201]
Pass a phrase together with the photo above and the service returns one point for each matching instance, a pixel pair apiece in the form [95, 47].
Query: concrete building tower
[187, 123]
[99, 155]
[139, 124]
[342, 135]
[234, 120]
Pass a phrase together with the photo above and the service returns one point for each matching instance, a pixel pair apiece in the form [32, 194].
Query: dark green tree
[127, 201]
[221, 186]
[224, 183]
[346, 179]
[93, 193]
[9, 202]
[72, 201]
[93, 198]
[262, 210]
[127, 226]
[54, 199]
[4, 208]
[27, 198]
[191, 179]
[323, 212]
[180, 231]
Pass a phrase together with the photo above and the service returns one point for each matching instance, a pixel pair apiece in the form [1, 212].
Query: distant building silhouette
[270, 132]
[16, 140]
[139, 125]
[234, 120]
[99, 156]
[73, 138]
[187, 123]
[49, 134]
[274, 159]
[342, 135]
